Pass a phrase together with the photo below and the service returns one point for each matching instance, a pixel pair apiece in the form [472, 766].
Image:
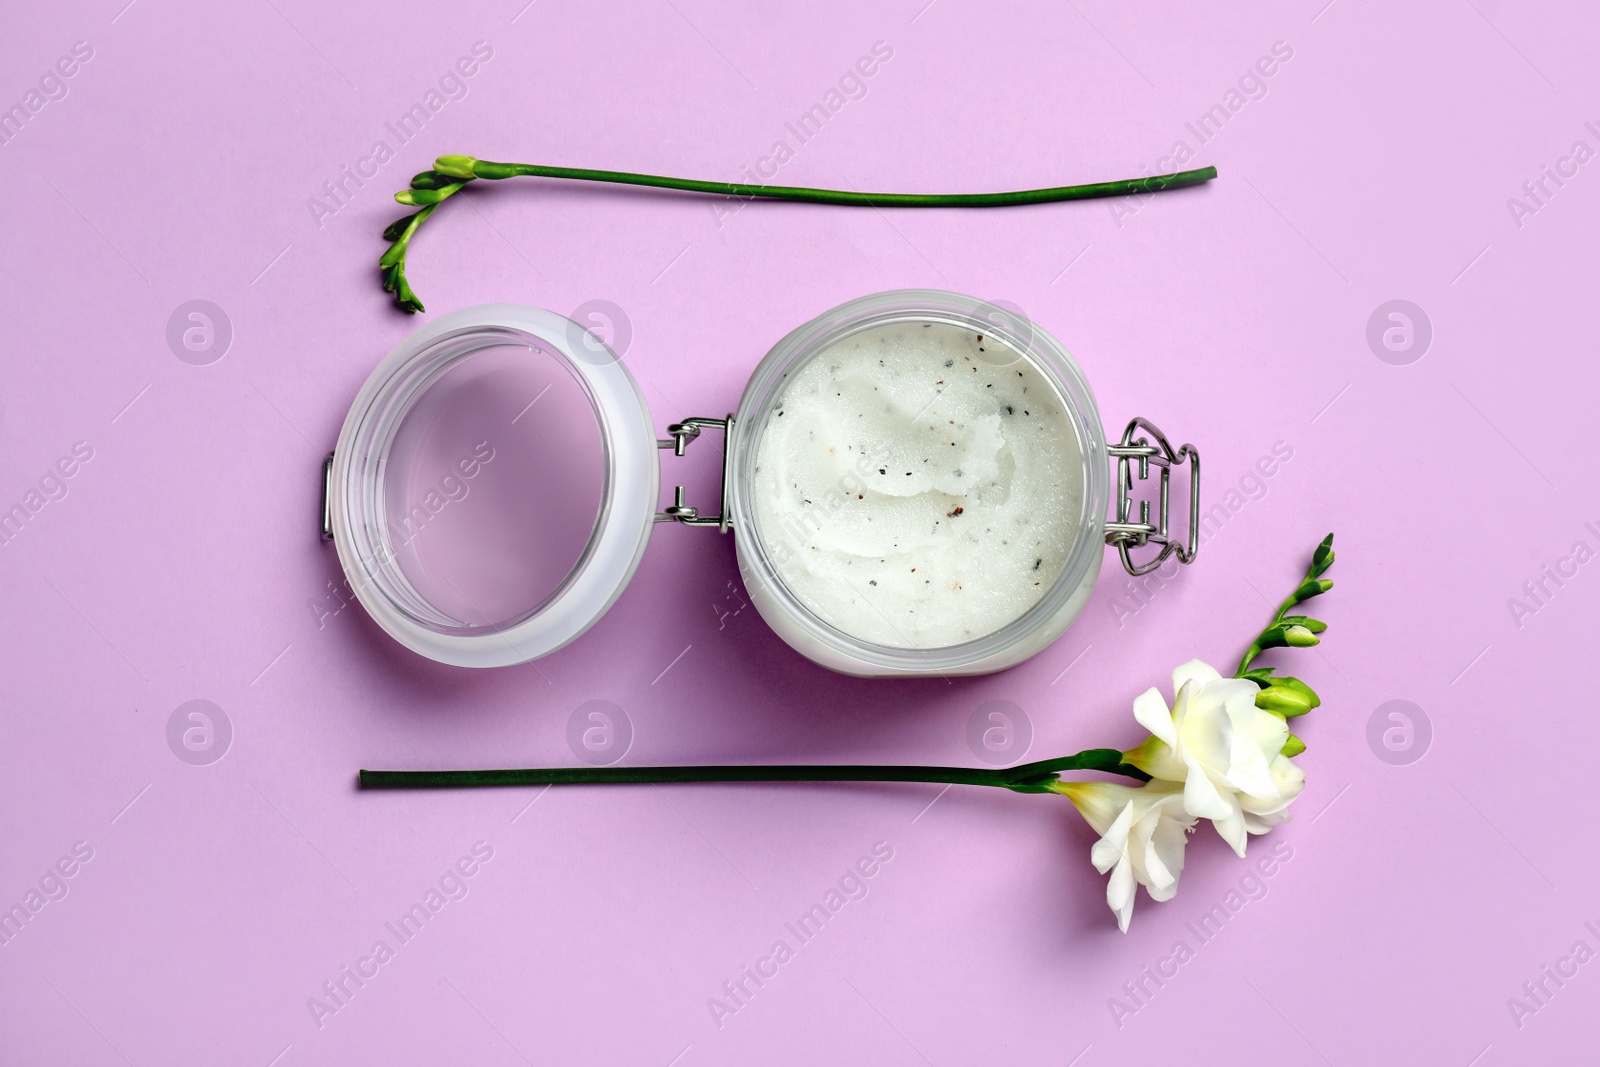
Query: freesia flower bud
[1287, 697]
[1293, 634]
[1293, 746]
[1299, 637]
[455, 166]
[1322, 559]
[428, 197]
[1312, 587]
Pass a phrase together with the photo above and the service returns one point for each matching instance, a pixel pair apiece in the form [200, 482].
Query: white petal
[1260, 824]
[1163, 893]
[1147, 867]
[1238, 693]
[1263, 806]
[1196, 671]
[1160, 762]
[1232, 830]
[1248, 771]
[1169, 841]
[1152, 713]
[1120, 892]
[1290, 778]
[1156, 875]
[1113, 847]
[1264, 729]
[1204, 730]
[1201, 797]
[1098, 802]
[1289, 781]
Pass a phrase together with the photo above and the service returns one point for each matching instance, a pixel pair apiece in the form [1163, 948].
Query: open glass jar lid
[917, 483]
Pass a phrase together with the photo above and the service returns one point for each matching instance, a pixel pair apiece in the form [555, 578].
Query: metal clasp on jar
[681, 433]
[1127, 535]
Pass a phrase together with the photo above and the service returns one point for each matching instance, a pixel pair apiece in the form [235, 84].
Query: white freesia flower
[1227, 753]
[1142, 834]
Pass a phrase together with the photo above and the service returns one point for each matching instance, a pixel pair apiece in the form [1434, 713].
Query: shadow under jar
[917, 484]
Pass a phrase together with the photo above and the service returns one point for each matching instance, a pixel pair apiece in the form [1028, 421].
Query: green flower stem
[1275, 635]
[1027, 778]
[451, 173]
[1155, 183]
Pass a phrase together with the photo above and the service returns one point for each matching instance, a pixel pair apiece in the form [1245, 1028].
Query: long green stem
[1154, 183]
[1026, 778]
[451, 173]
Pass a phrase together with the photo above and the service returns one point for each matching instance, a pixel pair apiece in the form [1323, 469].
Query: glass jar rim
[1042, 351]
[622, 528]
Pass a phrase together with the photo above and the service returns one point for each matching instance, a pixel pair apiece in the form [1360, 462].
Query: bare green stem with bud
[451, 173]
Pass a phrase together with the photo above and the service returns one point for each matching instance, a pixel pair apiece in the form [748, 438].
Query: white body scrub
[918, 486]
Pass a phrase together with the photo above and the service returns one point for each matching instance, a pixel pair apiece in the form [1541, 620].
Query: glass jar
[539, 546]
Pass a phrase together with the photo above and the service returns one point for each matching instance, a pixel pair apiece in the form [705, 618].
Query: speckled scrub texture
[918, 485]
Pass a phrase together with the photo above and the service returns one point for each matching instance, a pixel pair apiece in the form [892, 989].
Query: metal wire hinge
[681, 433]
[327, 498]
[1127, 535]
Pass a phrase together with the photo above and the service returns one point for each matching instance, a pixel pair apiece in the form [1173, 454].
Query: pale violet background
[182, 564]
